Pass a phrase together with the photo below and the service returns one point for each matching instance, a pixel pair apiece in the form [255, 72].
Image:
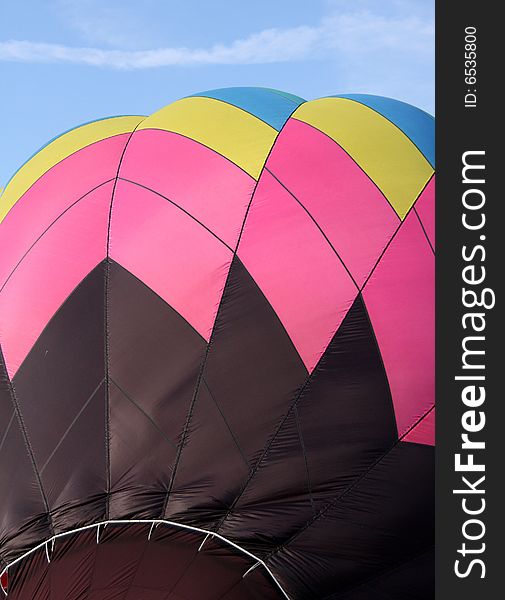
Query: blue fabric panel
[418, 125]
[269, 105]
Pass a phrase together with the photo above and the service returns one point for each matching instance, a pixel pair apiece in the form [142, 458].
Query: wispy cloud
[343, 35]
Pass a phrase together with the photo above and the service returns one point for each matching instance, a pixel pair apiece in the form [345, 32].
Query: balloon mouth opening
[156, 560]
[4, 582]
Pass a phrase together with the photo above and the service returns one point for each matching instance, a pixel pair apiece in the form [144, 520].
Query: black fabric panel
[276, 499]
[386, 515]
[65, 365]
[125, 565]
[81, 459]
[256, 585]
[346, 412]
[116, 561]
[251, 374]
[23, 518]
[30, 579]
[155, 357]
[82, 551]
[142, 458]
[253, 369]
[60, 385]
[342, 422]
[209, 469]
[397, 583]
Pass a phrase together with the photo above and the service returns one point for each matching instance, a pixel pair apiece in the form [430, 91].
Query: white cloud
[346, 36]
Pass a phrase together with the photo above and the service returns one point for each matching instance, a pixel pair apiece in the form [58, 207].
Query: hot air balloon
[217, 367]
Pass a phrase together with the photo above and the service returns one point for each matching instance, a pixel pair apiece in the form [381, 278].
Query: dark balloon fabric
[217, 367]
[126, 564]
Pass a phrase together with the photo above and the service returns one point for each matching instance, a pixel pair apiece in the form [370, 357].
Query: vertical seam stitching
[26, 439]
[106, 326]
[209, 345]
[305, 459]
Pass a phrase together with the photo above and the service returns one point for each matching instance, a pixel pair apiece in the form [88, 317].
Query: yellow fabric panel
[384, 152]
[57, 150]
[234, 133]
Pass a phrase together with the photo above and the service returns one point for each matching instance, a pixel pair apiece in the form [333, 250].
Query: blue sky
[65, 62]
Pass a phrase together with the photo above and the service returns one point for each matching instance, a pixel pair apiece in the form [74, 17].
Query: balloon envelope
[217, 342]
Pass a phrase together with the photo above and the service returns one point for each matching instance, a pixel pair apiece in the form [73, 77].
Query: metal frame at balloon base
[48, 545]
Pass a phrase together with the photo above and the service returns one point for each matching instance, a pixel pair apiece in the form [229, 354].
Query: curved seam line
[316, 224]
[51, 167]
[392, 123]
[74, 421]
[239, 108]
[266, 448]
[360, 167]
[138, 407]
[145, 187]
[332, 503]
[165, 302]
[53, 316]
[395, 232]
[275, 316]
[233, 106]
[291, 408]
[424, 231]
[368, 527]
[309, 378]
[50, 226]
[57, 137]
[305, 460]
[209, 345]
[190, 409]
[27, 442]
[4, 437]
[187, 137]
[425, 415]
[106, 326]
[384, 370]
[225, 422]
[272, 439]
[286, 96]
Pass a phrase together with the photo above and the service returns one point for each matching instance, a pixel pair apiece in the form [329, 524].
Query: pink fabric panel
[57, 263]
[425, 207]
[348, 207]
[400, 300]
[205, 184]
[54, 192]
[170, 252]
[424, 431]
[296, 269]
